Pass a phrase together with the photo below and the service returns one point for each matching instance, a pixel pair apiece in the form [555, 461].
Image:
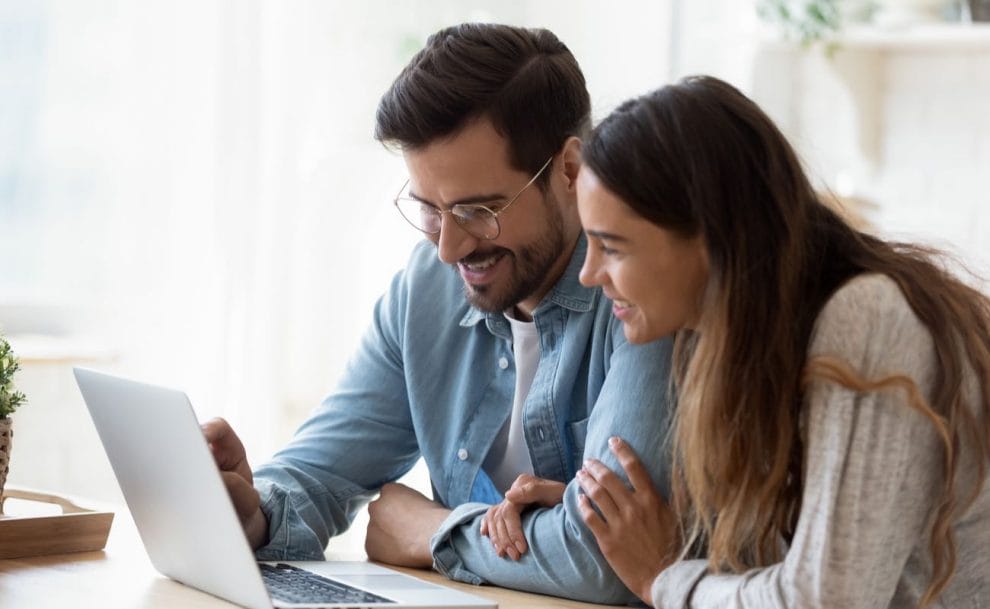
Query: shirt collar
[567, 292]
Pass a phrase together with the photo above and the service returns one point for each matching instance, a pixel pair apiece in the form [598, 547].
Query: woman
[832, 432]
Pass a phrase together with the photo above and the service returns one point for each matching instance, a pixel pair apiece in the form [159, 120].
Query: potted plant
[812, 22]
[10, 399]
[804, 21]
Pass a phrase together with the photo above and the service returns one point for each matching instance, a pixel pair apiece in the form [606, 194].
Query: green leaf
[806, 21]
[10, 399]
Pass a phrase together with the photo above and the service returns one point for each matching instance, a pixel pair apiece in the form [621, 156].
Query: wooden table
[121, 577]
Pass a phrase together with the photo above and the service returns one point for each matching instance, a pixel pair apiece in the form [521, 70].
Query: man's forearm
[400, 524]
[563, 558]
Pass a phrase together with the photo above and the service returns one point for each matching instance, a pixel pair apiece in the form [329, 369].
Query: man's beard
[529, 268]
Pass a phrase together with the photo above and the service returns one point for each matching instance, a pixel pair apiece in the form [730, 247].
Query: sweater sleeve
[871, 466]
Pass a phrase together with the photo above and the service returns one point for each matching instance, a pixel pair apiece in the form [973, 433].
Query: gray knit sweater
[872, 468]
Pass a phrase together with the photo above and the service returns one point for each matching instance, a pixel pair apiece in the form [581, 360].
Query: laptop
[188, 524]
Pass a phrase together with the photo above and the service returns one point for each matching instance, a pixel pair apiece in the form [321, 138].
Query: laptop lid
[180, 505]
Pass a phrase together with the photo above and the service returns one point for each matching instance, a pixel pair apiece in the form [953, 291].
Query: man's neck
[518, 314]
[523, 311]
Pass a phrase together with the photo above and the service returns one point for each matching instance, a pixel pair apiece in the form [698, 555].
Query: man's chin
[484, 298]
[503, 293]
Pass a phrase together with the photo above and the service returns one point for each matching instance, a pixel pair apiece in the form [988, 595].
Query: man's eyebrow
[475, 200]
[606, 236]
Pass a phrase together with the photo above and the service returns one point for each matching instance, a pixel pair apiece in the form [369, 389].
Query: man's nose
[453, 242]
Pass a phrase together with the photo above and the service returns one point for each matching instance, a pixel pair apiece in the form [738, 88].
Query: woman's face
[654, 277]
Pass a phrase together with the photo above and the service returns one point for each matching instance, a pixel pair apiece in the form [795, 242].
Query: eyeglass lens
[476, 219]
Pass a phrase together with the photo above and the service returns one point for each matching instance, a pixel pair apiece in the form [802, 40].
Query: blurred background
[190, 193]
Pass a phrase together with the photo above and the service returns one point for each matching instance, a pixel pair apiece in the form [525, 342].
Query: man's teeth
[480, 266]
[622, 303]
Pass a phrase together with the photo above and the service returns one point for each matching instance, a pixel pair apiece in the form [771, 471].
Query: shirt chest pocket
[577, 431]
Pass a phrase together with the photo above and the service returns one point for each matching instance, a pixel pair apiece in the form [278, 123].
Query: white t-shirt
[509, 455]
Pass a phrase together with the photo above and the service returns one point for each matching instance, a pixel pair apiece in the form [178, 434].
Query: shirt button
[462, 454]
[503, 363]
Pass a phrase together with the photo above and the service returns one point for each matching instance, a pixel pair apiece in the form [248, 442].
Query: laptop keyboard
[294, 585]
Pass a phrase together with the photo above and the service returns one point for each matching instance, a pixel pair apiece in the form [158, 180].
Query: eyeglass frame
[440, 212]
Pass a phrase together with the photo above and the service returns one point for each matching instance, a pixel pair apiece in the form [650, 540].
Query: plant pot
[6, 435]
[979, 10]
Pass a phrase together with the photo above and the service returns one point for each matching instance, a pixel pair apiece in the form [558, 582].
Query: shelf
[936, 36]
[41, 349]
[931, 36]
[853, 71]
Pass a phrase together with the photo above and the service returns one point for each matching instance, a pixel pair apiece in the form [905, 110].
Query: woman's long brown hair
[699, 157]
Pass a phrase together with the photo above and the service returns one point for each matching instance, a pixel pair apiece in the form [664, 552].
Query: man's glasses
[478, 219]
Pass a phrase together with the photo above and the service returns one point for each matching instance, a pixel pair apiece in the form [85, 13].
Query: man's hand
[401, 523]
[231, 459]
[502, 523]
[635, 528]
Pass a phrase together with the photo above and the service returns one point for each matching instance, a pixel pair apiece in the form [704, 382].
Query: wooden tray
[23, 532]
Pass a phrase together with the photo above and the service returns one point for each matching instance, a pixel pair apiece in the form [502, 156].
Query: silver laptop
[188, 523]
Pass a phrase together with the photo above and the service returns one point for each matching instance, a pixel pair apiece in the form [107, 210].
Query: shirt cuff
[445, 557]
[275, 504]
[672, 589]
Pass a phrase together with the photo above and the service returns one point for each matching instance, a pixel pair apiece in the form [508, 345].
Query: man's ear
[570, 155]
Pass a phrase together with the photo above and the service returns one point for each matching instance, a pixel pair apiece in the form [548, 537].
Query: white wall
[897, 117]
[903, 127]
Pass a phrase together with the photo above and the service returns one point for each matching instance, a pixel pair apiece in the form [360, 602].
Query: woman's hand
[636, 530]
[503, 524]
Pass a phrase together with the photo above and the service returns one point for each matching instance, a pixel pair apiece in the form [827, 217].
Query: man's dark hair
[525, 81]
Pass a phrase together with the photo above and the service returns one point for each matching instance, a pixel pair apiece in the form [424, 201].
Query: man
[505, 366]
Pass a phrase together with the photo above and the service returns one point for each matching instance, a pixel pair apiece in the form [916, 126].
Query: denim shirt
[434, 377]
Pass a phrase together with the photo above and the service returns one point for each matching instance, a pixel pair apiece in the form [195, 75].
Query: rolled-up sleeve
[563, 558]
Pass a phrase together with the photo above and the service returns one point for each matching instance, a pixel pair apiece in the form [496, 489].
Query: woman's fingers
[643, 493]
[590, 480]
[486, 522]
[506, 543]
[523, 489]
[635, 529]
[591, 518]
[515, 538]
[528, 489]
[616, 486]
[637, 474]
[502, 524]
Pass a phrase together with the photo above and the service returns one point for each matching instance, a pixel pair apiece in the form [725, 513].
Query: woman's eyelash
[605, 249]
